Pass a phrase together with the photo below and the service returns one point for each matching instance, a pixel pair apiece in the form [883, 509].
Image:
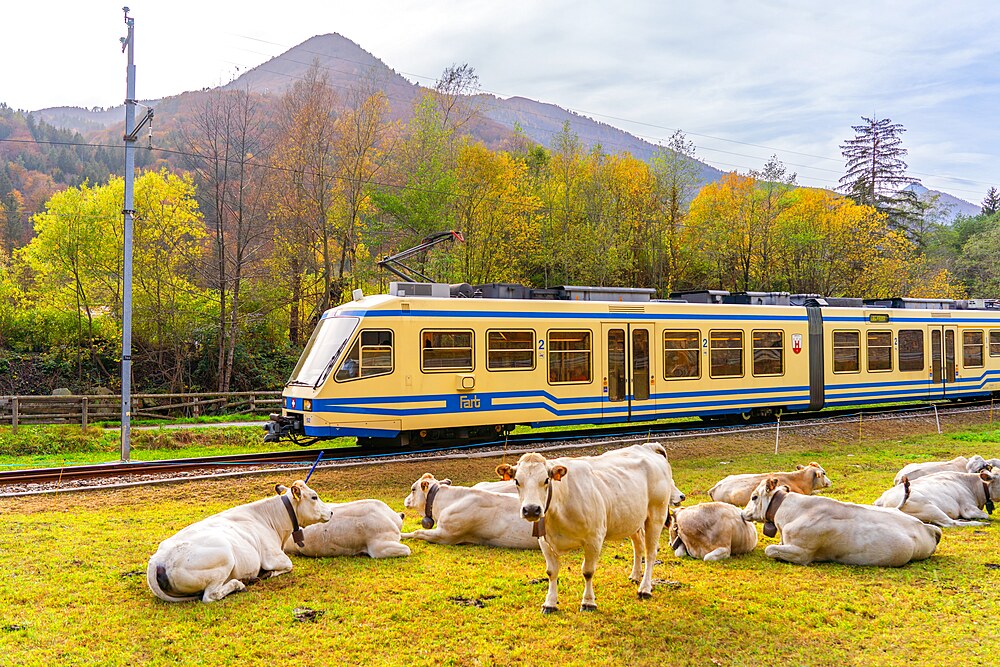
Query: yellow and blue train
[433, 363]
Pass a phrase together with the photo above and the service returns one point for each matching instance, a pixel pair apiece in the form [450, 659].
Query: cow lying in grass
[219, 555]
[466, 515]
[814, 528]
[736, 489]
[579, 502]
[711, 531]
[946, 499]
[359, 528]
[914, 471]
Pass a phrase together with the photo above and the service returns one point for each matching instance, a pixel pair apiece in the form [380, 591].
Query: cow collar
[989, 501]
[770, 528]
[296, 531]
[538, 528]
[428, 520]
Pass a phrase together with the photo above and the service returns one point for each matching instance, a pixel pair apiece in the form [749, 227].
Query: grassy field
[73, 590]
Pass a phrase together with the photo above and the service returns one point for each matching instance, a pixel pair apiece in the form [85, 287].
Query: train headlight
[307, 404]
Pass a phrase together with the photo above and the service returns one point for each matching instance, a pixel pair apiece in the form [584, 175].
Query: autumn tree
[495, 212]
[725, 232]
[677, 179]
[362, 132]
[875, 173]
[76, 267]
[306, 153]
[227, 143]
[774, 184]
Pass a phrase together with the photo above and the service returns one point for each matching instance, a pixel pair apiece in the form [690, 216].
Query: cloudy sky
[744, 79]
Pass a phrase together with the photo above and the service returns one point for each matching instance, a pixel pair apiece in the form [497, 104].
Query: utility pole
[131, 132]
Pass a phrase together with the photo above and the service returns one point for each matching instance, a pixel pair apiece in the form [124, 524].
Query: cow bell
[427, 522]
[770, 530]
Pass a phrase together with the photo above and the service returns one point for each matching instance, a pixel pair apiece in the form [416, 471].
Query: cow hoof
[645, 596]
[549, 610]
[588, 607]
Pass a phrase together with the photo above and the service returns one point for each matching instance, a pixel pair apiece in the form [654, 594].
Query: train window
[879, 350]
[323, 350]
[370, 355]
[510, 350]
[911, 350]
[726, 353]
[972, 349]
[846, 351]
[768, 353]
[995, 343]
[681, 354]
[446, 351]
[569, 356]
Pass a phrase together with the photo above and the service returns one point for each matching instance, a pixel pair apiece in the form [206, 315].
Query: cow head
[309, 509]
[676, 496]
[977, 463]
[533, 475]
[417, 499]
[820, 480]
[759, 500]
[418, 492]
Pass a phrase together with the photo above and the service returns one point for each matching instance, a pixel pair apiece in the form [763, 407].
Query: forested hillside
[254, 213]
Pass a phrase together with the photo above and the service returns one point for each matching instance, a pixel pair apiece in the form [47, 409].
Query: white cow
[814, 528]
[358, 528]
[579, 502]
[468, 515]
[736, 489]
[946, 499]
[219, 555]
[711, 531]
[914, 471]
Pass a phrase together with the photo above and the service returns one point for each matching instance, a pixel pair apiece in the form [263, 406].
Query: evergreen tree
[992, 202]
[876, 173]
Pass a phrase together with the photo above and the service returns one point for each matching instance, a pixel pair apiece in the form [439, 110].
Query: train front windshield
[323, 350]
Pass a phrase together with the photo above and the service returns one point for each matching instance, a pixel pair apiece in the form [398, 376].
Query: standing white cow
[358, 528]
[914, 471]
[814, 528]
[947, 499]
[582, 501]
[468, 515]
[219, 555]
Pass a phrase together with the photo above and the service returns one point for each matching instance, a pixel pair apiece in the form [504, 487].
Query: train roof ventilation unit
[633, 294]
[701, 296]
[758, 298]
[439, 290]
[912, 304]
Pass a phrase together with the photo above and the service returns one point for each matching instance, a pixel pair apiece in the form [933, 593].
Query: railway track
[101, 475]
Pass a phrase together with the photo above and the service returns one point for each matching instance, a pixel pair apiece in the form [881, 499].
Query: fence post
[195, 408]
[83, 409]
[14, 405]
[253, 404]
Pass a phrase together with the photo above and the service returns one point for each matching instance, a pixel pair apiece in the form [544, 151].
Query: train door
[628, 372]
[943, 370]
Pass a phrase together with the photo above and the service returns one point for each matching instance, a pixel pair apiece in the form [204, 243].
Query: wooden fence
[83, 410]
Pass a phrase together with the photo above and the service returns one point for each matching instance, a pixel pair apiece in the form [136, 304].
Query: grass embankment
[73, 590]
[56, 446]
